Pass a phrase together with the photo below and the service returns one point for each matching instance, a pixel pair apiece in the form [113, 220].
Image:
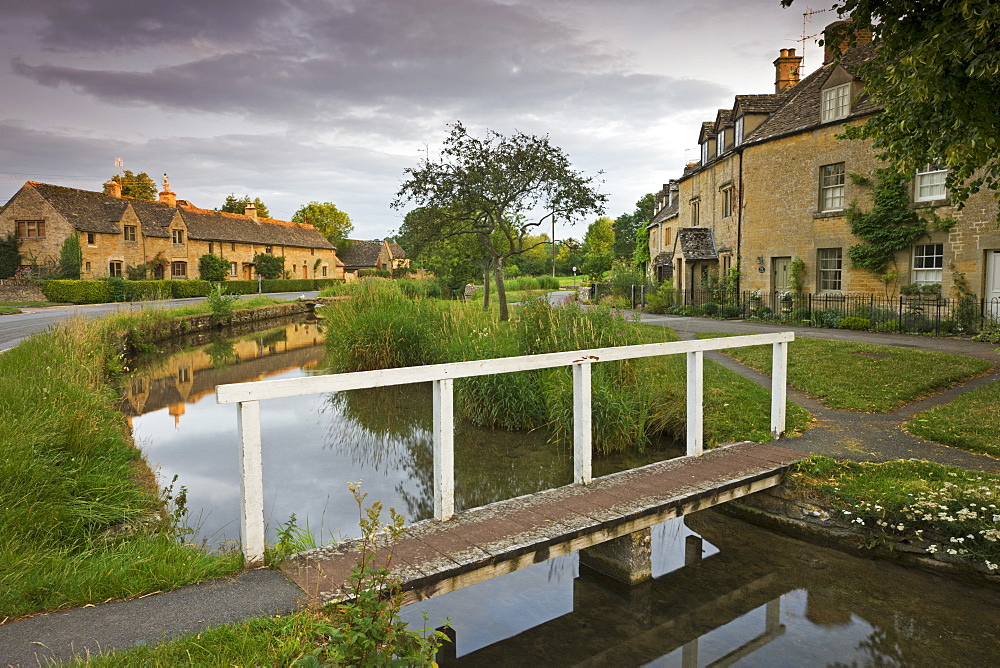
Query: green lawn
[7, 310]
[863, 377]
[970, 422]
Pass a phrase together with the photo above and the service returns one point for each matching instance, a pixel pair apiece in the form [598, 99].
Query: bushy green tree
[332, 223]
[10, 256]
[597, 247]
[213, 268]
[234, 204]
[70, 258]
[486, 187]
[139, 186]
[935, 77]
[628, 224]
[268, 265]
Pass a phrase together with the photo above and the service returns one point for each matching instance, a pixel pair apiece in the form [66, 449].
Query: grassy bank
[81, 520]
[863, 377]
[949, 512]
[633, 400]
[970, 422]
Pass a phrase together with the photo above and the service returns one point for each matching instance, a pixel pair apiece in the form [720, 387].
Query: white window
[720, 143]
[738, 132]
[704, 153]
[929, 184]
[831, 187]
[928, 259]
[830, 264]
[232, 268]
[836, 102]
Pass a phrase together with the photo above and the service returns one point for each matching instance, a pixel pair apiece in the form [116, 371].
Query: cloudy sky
[330, 100]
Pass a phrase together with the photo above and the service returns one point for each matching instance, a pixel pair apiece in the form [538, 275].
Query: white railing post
[444, 448]
[779, 391]
[695, 412]
[582, 424]
[251, 482]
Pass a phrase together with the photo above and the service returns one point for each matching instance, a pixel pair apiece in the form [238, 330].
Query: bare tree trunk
[501, 293]
[486, 285]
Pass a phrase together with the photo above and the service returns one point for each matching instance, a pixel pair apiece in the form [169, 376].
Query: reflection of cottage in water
[186, 377]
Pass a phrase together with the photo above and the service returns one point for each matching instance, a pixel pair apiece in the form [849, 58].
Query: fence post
[444, 448]
[582, 425]
[695, 392]
[779, 376]
[251, 482]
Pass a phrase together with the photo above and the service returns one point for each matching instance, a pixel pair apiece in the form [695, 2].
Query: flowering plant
[785, 296]
[756, 295]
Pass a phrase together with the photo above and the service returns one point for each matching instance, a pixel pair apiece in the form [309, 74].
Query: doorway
[779, 273]
[992, 292]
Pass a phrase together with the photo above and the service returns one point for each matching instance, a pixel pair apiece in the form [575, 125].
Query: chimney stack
[113, 189]
[250, 211]
[166, 196]
[786, 70]
[831, 50]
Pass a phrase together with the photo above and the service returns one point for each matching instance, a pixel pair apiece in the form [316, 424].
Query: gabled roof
[756, 104]
[723, 119]
[707, 132]
[363, 253]
[89, 211]
[397, 251]
[697, 243]
[801, 104]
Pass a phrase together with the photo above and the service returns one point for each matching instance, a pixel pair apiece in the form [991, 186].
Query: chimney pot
[250, 211]
[113, 189]
[786, 70]
[166, 196]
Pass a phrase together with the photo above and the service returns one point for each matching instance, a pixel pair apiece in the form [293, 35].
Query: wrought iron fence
[921, 314]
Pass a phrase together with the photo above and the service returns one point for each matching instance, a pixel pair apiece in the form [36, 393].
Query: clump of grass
[970, 422]
[76, 524]
[950, 512]
[863, 377]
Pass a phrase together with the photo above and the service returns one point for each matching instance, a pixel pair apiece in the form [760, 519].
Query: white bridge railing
[249, 395]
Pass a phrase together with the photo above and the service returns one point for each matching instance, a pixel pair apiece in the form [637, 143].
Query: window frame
[129, 233]
[30, 229]
[91, 238]
[727, 201]
[829, 278]
[233, 269]
[720, 144]
[178, 265]
[695, 212]
[704, 153]
[835, 103]
[930, 172]
[116, 268]
[832, 182]
[919, 255]
[177, 236]
[738, 131]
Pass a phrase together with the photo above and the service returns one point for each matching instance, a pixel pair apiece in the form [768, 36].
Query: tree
[213, 268]
[597, 247]
[268, 265]
[457, 259]
[139, 186]
[331, 222]
[499, 189]
[70, 258]
[935, 77]
[627, 224]
[234, 204]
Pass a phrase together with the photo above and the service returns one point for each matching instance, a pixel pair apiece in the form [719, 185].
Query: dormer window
[704, 153]
[738, 132]
[720, 143]
[836, 102]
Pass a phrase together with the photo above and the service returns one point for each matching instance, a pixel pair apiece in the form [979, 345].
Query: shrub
[10, 257]
[77, 292]
[548, 283]
[378, 273]
[221, 304]
[662, 298]
[213, 268]
[732, 311]
[70, 258]
[189, 288]
[268, 265]
[800, 315]
[854, 323]
[710, 309]
[623, 276]
[989, 332]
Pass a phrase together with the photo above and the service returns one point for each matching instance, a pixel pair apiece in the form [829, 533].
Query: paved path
[34, 319]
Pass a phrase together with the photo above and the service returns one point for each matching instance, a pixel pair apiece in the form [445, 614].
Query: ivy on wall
[890, 226]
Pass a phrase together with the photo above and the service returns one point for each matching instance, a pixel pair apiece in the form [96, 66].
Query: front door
[992, 293]
[779, 273]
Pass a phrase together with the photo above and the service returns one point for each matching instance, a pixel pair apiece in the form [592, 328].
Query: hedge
[102, 292]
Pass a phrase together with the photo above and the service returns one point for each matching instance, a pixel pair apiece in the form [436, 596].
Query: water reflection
[753, 598]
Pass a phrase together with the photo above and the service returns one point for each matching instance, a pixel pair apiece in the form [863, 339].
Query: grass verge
[863, 377]
[9, 310]
[80, 518]
[970, 422]
[949, 512]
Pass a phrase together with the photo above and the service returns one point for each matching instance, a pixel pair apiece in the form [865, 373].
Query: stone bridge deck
[435, 557]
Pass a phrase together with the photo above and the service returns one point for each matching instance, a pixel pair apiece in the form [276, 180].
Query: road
[17, 327]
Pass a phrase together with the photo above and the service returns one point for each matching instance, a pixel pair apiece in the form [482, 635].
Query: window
[727, 201]
[720, 143]
[178, 269]
[91, 239]
[831, 187]
[830, 262]
[928, 259]
[695, 211]
[836, 102]
[704, 153]
[114, 268]
[312, 251]
[178, 236]
[232, 268]
[324, 270]
[267, 250]
[666, 237]
[211, 248]
[232, 246]
[86, 267]
[129, 232]
[31, 229]
[929, 184]
[738, 132]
